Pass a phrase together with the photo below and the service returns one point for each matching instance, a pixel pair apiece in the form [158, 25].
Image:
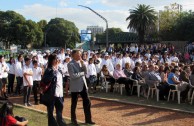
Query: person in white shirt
[19, 74]
[91, 75]
[138, 59]
[37, 73]
[118, 60]
[27, 81]
[106, 61]
[4, 73]
[66, 74]
[1, 71]
[97, 63]
[11, 74]
[54, 76]
[61, 56]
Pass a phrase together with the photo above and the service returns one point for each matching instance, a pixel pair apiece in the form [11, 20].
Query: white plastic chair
[104, 83]
[119, 87]
[173, 91]
[135, 84]
[192, 96]
[153, 89]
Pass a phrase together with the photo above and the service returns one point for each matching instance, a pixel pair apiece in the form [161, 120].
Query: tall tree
[141, 18]
[61, 33]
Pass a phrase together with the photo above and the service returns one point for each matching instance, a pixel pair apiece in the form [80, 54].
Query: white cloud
[80, 16]
[88, 2]
[63, 3]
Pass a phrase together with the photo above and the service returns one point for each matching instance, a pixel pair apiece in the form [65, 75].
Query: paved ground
[110, 113]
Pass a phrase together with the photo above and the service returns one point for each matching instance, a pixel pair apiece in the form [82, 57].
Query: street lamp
[103, 19]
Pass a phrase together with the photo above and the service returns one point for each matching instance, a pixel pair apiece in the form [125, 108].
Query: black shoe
[90, 122]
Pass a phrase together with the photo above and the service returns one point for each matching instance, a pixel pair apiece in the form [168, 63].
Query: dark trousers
[11, 78]
[112, 82]
[36, 86]
[27, 92]
[126, 81]
[58, 104]
[86, 104]
[19, 85]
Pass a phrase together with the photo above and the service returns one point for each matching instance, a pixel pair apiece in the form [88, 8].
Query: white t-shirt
[5, 70]
[37, 73]
[18, 69]
[27, 69]
[91, 70]
[11, 68]
[59, 85]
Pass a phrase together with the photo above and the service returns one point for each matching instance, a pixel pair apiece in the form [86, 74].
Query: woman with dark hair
[11, 74]
[53, 76]
[7, 116]
[108, 77]
[128, 70]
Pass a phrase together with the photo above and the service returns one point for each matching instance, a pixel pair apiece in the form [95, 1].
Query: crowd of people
[78, 71]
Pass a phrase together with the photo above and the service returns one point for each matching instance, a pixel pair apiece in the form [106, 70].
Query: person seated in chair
[121, 78]
[108, 77]
[137, 76]
[173, 79]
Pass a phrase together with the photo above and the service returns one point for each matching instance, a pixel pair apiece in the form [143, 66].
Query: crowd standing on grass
[148, 64]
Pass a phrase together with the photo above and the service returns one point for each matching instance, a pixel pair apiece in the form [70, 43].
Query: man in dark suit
[78, 86]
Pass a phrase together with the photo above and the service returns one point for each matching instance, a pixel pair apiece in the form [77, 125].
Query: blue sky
[116, 11]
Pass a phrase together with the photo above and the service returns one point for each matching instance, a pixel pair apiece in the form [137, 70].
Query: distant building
[95, 29]
[174, 7]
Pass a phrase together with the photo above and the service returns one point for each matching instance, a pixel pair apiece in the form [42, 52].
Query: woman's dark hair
[26, 59]
[51, 58]
[166, 69]
[160, 69]
[20, 55]
[174, 70]
[103, 67]
[135, 69]
[1, 56]
[34, 62]
[6, 109]
[10, 59]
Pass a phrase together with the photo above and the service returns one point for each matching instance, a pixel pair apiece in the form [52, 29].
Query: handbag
[45, 95]
[46, 98]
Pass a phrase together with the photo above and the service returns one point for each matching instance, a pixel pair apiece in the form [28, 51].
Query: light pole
[103, 19]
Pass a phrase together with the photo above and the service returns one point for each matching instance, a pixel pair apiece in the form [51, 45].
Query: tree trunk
[141, 36]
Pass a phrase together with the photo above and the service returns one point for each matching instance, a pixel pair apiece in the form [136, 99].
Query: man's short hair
[26, 59]
[74, 51]
[34, 62]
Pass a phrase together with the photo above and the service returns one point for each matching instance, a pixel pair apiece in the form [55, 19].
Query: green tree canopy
[61, 33]
[14, 29]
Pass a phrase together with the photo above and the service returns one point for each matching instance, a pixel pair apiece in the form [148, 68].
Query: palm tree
[141, 18]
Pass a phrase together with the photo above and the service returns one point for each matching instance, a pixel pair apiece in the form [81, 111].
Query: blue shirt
[170, 76]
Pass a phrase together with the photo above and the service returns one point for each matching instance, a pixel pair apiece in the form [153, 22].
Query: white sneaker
[29, 104]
